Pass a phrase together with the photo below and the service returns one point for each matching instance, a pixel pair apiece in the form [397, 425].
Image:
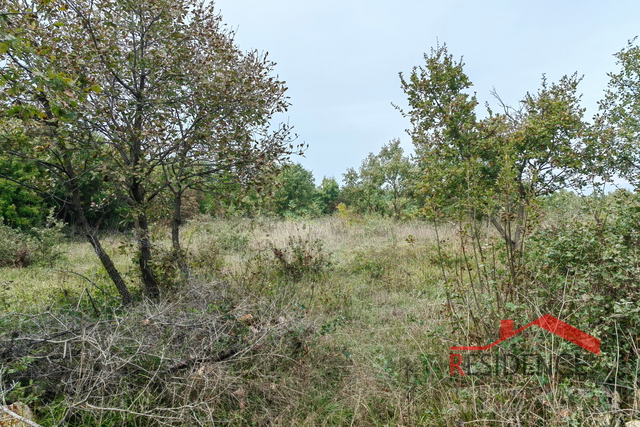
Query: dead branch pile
[182, 362]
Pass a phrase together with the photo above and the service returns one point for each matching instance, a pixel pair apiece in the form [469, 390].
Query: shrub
[14, 248]
[301, 257]
[587, 270]
[48, 239]
[40, 245]
[20, 207]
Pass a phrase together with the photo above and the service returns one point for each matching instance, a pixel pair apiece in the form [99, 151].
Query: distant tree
[382, 183]
[327, 195]
[20, 206]
[295, 192]
[362, 189]
[398, 173]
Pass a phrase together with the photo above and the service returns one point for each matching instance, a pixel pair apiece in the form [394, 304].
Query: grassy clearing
[39, 286]
[355, 331]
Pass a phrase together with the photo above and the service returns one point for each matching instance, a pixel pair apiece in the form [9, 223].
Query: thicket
[588, 269]
[202, 358]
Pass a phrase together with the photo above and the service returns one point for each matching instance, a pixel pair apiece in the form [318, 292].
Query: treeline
[385, 184]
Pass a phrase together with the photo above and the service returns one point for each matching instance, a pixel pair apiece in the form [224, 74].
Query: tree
[620, 114]
[444, 125]
[383, 181]
[327, 195]
[296, 191]
[397, 173]
[495, 166]
[362, 188]
[39, 102]
[157, 91]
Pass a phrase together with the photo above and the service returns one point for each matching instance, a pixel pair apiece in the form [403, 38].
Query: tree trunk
[70, 171]
[503, 233]
[136, 188]
[149, 281]
[104, 258]
[107, 263]
[175, 234]
[151, 287]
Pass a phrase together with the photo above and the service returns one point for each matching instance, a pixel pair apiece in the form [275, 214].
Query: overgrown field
[341, 320]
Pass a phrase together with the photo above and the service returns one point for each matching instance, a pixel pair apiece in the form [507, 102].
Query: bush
[587, 270]
[301, 257]
[38, 246]
[15, 248]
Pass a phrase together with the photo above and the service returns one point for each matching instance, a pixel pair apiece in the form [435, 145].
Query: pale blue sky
[341, 59]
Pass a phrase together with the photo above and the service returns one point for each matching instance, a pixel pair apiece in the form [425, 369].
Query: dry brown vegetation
[339, 321]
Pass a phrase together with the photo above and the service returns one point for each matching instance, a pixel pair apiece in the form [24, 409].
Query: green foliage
[620, 113]
[598, 257]
[383, 183]
[444, 127]
[496, 166]
[154, 99]
[493, 169]
[563, 204]
[15, 248]
[588, 269]
[20, 206]
[40, 246]
[237, 201]
[49, 238]
[549, 136]
[398, 176]
[295, 194]
[362, 190]
[327, 195]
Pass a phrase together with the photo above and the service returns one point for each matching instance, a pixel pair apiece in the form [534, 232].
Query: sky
[341, 59]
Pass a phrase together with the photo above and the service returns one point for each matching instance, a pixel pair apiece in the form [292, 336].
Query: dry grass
[366, 342]
[35, 287]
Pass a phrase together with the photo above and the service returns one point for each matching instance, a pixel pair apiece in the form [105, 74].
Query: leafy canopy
[620, 114]
[536, 147]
